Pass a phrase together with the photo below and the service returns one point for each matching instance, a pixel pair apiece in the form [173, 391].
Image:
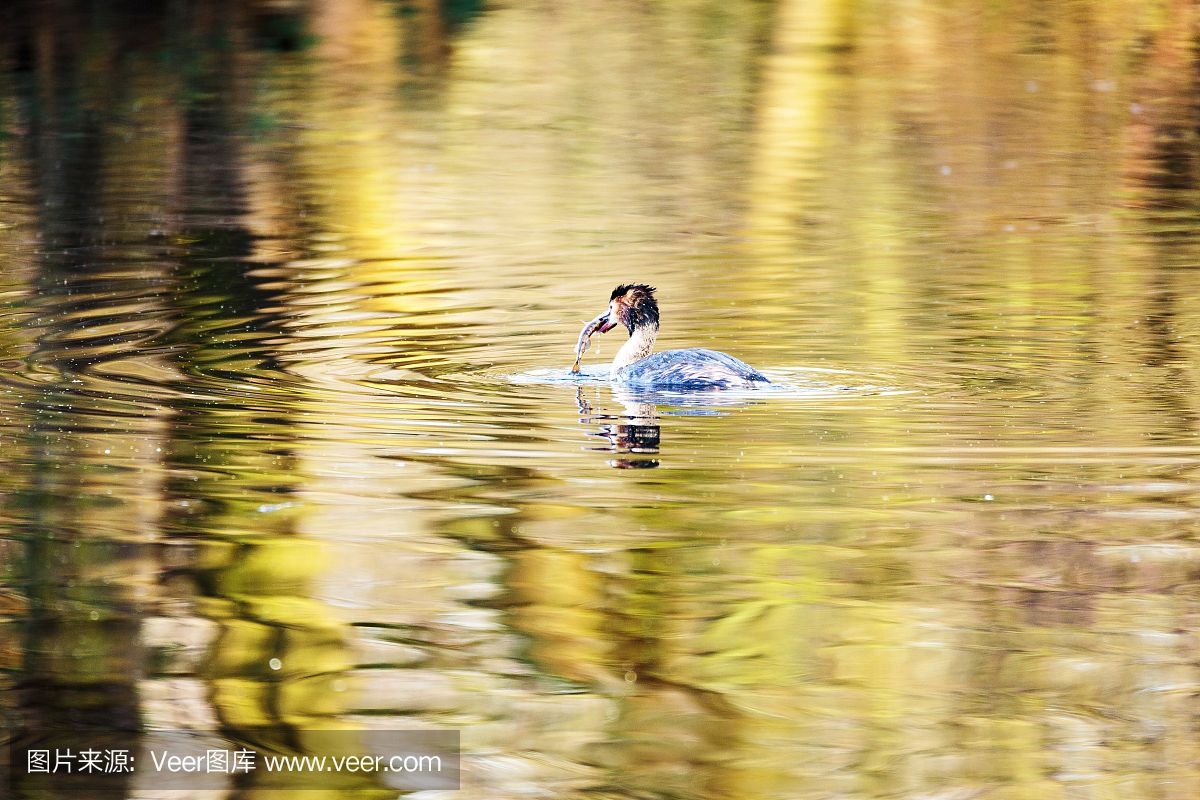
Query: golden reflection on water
[286, 289]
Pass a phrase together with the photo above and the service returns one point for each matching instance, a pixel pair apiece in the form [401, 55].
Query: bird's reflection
[634, 436]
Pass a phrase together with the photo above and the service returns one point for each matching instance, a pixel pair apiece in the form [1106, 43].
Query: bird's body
[694, 368]
[635, 365]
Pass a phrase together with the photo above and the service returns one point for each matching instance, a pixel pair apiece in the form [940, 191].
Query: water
[289, 440]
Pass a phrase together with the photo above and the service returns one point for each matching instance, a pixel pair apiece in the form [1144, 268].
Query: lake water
[288, 439]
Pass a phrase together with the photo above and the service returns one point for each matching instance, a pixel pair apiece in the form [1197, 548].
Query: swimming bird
[634, 306]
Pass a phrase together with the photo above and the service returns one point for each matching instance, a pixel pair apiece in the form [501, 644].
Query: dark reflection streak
[82, 644]
[1165, 352]
[82, 221]
[1173, 182]
[219, 293]
[275, 643]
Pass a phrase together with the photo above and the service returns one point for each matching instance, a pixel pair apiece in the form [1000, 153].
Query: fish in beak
[601, 324]
[605, 322]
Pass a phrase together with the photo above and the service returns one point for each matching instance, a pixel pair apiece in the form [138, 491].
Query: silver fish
[585, 337]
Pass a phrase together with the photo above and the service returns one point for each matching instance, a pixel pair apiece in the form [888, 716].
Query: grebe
[633, 305]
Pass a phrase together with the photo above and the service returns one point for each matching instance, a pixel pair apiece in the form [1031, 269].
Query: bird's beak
[604, 323]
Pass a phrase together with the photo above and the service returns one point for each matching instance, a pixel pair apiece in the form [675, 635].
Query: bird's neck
[640, 343]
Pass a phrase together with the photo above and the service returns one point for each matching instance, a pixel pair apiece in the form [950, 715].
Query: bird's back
[695, 368]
